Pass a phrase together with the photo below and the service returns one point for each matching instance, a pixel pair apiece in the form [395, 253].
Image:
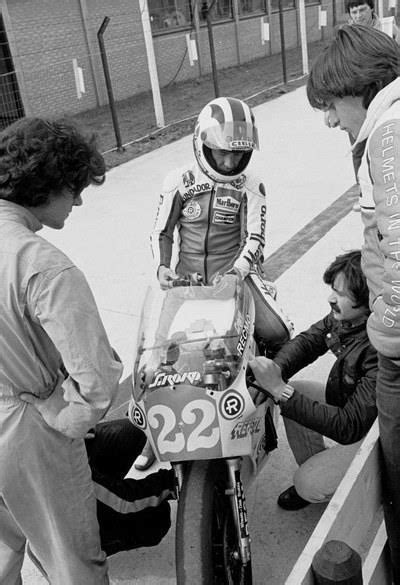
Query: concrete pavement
[306, 168]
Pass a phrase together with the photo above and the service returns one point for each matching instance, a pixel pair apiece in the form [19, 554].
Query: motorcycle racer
[212, 213]
[215, 206]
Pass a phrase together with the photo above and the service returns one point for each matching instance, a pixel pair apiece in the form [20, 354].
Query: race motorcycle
[198, 404]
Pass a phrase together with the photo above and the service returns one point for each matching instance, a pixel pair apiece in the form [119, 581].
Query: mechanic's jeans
[320, 469]
[388, 403]
[46, 498]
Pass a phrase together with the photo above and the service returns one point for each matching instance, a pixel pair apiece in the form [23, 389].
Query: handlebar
[194, 279]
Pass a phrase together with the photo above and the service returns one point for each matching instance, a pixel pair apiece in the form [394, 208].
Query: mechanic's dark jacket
[350, 407]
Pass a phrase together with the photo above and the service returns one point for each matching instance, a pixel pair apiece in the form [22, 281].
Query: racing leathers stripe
[215, 226]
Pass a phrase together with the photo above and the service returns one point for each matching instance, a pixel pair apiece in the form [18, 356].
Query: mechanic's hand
[165, 275]
[268, 375]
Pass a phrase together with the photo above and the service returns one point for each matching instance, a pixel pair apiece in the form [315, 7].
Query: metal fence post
[206, 8]
[283, 49]
[100, 35]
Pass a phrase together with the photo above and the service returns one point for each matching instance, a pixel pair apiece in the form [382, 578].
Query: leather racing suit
[218, 225]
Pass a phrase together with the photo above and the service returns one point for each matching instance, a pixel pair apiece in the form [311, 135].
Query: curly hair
[41, 157]
[359, 62]
[349, 265]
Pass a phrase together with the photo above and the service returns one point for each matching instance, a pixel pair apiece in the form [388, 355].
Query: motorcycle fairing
[189, 380]
[194, 423]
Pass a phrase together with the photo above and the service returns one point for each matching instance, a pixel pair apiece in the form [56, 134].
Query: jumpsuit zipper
[206, 238]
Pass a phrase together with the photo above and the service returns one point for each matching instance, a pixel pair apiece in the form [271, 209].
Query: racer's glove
[218, 277]
[236, 272]
[165, 277]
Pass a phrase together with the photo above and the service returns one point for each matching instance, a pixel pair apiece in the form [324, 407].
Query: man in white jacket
[363, 12]
[356, 82]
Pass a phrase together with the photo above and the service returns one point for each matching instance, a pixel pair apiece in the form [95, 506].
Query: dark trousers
[131, 512]
[388, 403]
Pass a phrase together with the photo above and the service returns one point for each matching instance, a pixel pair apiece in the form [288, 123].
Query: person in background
[50, 325]
[364, 13]
[355, 80]
[343, 408]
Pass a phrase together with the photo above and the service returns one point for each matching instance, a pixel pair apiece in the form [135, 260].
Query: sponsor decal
[162, 379]
[265, 287]
[262, 218]
[160, 202]
[241, 144]
[223, 218]
[188, 179]
[243, 429]
[241, 506]
[192, 211]
[239, 182]
[259, 253]
[226, 203]
[138, 418]
[196, 190]
[244, 336]
[232, 405]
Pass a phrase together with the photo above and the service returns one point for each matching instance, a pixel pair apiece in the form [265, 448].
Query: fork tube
[236, 492]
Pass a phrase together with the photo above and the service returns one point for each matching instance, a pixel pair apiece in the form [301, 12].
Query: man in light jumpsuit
[50, 325]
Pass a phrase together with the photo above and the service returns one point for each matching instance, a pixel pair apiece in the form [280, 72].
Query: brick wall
[46, 35]
[170, 48]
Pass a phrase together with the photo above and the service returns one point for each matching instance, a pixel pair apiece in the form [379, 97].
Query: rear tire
[207, 550]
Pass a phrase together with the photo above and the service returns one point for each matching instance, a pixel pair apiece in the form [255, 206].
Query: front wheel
[207, 543]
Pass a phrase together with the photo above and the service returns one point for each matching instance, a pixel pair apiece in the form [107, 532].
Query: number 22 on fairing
[198, 438]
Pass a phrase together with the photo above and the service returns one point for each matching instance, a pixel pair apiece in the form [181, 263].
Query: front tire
[207, 549]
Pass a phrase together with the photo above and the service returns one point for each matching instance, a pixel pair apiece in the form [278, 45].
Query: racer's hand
[236, 272]
[165, 275]
[268, 375]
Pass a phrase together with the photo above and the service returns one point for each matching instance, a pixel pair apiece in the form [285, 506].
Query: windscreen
[189, 336]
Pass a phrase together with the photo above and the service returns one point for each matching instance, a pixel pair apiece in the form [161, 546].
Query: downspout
[84, 16]
[237, 31]
[197, 32]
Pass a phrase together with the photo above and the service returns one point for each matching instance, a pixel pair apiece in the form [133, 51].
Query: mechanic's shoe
[290, 500]
[145, 459]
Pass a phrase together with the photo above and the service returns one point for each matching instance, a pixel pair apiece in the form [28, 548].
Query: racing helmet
[228, 124]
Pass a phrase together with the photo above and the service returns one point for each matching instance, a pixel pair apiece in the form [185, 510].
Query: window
[251, 6]
[170, 14]
[221, 9]
[285, 4]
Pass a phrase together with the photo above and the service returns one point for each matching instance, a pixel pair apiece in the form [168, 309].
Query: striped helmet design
[225, 124]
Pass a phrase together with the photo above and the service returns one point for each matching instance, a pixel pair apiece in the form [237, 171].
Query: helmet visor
[231, 136]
